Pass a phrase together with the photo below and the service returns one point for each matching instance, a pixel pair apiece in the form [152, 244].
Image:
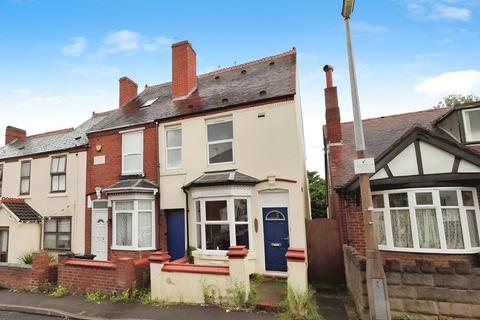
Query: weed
[123, 297]
[402, 317]
[95, 295]
[237, 294]
[257, 278]
[59, 292]
[299, 305]
[190, 258]
[210, 292]
[26, 258]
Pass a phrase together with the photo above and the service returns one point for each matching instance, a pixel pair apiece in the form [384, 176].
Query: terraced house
[209, 161]
[42, 189]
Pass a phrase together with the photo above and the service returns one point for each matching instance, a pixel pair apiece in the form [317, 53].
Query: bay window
[443, 220]
[132, 152]
[133, 224]
[222, 223]
[220, 141]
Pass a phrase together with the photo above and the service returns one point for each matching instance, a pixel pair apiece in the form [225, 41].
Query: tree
[454, 99]
[318, 194]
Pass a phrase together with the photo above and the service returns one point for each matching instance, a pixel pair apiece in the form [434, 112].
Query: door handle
[276, 244]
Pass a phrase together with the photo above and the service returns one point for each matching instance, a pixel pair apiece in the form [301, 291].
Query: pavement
[332, 301]
[8, 315]
[76, 307]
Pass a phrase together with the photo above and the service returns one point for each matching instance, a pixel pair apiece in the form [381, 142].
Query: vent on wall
[261, 115]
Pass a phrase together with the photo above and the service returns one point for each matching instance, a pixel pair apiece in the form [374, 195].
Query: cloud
[438, 10]
[466, 81]
[363, 26]
[127, 41]
[76, 47]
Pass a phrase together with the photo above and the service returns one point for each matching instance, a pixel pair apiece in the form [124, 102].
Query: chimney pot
[329, 75]
[184, 69]
[12, 133]
[128, 90]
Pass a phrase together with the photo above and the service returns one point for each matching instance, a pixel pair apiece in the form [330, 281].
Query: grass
[299, 305]
[59, 292]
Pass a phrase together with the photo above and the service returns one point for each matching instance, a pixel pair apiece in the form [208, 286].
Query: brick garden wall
[424, 289]
[28, 277]
[81, 276]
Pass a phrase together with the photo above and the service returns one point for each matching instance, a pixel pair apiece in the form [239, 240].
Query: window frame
[213, 122]
[230, 221]
[26, 177]
[2, 168]
[58, 174]
[167, 148]
[139, 152]
[135, 211]
[466, 126]
[412, 206]
[5, 253]
[57, 233]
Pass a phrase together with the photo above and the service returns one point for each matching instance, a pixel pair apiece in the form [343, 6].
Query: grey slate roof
[51, 141]
[21, 209]
[222, 178]
[132, 184]
[260, 80]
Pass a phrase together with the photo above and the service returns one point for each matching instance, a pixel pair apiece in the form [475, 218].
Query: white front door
[100, 233]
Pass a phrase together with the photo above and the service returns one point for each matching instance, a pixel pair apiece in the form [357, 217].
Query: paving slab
[76, 307]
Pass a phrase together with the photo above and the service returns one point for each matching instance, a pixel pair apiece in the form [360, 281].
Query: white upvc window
[134, 224]
[173, 148]
[471, 121]
[132, 152]
[222, 223]
[436, 220]
[220, 141]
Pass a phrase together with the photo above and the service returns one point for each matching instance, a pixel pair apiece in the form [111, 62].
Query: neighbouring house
[209, 161]
[42, 191]
[425, 205]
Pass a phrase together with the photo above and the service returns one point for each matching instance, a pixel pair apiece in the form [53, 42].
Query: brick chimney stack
[184, 70]
[12, 133]
[128, 90]
[332, 111]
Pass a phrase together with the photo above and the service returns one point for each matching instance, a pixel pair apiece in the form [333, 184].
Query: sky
[61, 60]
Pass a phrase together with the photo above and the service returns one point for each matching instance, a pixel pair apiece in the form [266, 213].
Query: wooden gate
[325, 257]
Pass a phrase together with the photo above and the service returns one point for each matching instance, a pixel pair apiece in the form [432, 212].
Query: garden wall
[424, 289]
[80, 276]
[21, 276]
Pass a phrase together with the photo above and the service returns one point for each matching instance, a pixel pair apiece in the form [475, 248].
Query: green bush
[190, 258]
[60, 292]
[26, 258]
[95, 295]
[299, 305]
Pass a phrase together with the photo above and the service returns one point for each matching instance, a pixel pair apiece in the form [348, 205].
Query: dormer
[462, 122]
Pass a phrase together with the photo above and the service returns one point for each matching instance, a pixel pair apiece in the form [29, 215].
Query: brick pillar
[39, 268]
[237, 260]
[125, 273]
[297, 269]
[157, 260]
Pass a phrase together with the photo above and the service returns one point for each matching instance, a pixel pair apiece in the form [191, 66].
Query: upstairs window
[25, 169]
[174, 148]
[471, 120]
[220, 142]
[132, 153]
[1, 178]
[58, 174]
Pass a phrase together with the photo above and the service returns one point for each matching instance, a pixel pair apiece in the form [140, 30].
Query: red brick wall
[26, 277]
[109, 173]
[81, 276]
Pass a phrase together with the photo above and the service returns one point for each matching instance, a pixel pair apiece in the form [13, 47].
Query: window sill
[437, 251]
[132, 248]
[221, 166]
[57, 195]
[218, 254]
[173, 172]
[25, 196]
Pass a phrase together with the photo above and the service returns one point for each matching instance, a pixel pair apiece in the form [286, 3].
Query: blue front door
[275, 228]
[176, 233]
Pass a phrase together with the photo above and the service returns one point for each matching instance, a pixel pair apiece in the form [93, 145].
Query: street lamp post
[377, 290]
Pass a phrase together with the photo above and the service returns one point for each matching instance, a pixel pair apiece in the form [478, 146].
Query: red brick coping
[90, 263]
[183, 260]
[159, 257]
[297, 254]
[237, 252]
[196, 268]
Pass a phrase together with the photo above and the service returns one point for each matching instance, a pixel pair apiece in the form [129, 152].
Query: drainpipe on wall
[186, 217]
[158, 182]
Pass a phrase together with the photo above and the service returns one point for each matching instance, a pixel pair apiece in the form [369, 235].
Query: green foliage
[59, 292]
[237, 294]
[123, 297]
[190, 258]
[26, 258]
[210, 292]
[318, 194]
[402, 317]
[52, 257]
[456, 99]
[253, 295]
[257, 278]
[299, 305]
[96, 295]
